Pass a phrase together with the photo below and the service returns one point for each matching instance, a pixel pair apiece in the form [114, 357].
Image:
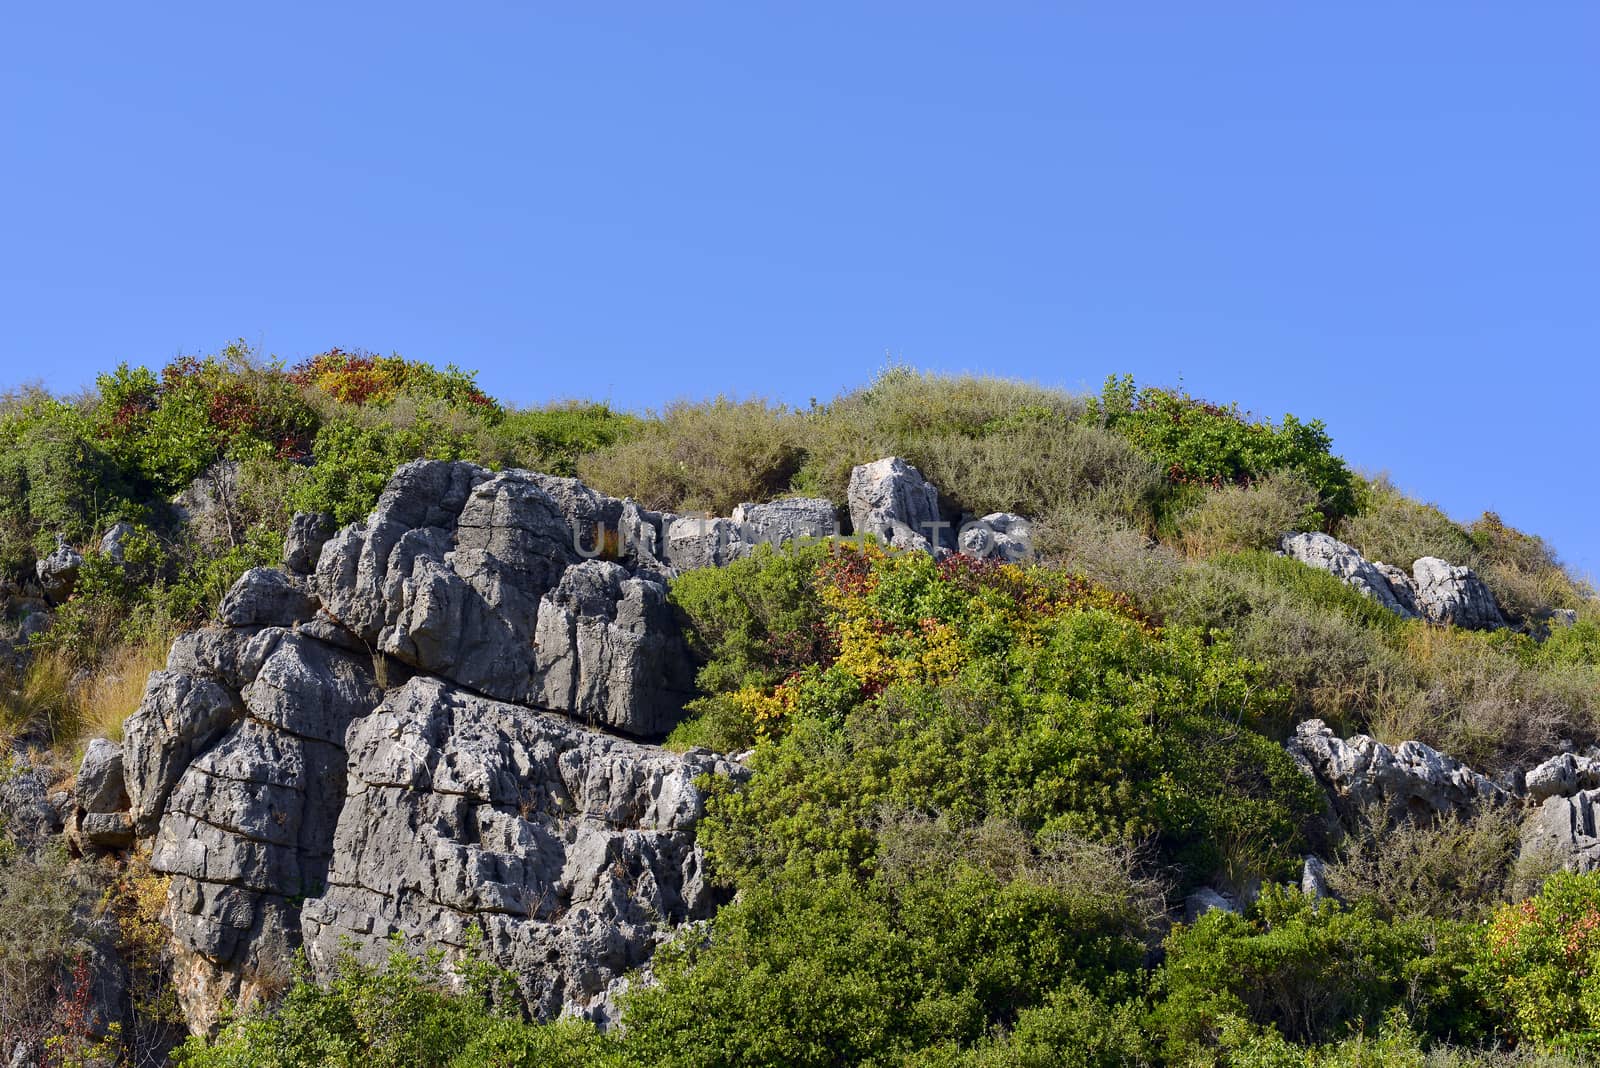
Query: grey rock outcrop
[890, 500]
[493, 621]
[1562, 776]
[1402, 586]
[208, 506]
[266, 597]
[571, 851]
[100, 786]
[302, 545]
[113, 544]
[1450, 594]
[1205, 900]
[1000, 535]
[790, 519]
[1411, 780]
[1328, 553]
[1314, 877]
[58, 573]
[1561, 833]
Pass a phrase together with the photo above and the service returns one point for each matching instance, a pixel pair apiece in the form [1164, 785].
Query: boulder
[266, 597]
[308, 532]
[1562, 776]
[58, 573]
[890, 500]
[208, 506]
[99, 787]
[113, 545]
[791, 519]
[1314, 877]
[106, 830]
[1403, 588]
[696, 541]
[606, 651]
[1411, 780]
[1328, 553]
[1450, 594]
[1000, 535]
[33, 624]
[1206, 900]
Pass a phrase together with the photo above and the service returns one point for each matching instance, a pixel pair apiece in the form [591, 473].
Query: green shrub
[1027, 695]
[354, 461]
[1315, 971]
[709, 456]
[1455, 868]
[401, 1014]
[1196, 442]
[826, 972]
[1539, 962]
[552, 439]
[988, 444]
[1238, 518]
[1393, 528]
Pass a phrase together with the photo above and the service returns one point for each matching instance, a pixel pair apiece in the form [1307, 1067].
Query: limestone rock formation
[493, 621]
[1435, 590]
[302, 544]
[1450, 594]
[113, 544]
[58, 573]
[892, 501]
[1411, 780]
[1562, 776]
[569, 850]
[1334, 556]
[1000, 535]
[1561, 833]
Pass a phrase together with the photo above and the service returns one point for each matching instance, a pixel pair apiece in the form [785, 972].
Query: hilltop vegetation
[978, 790]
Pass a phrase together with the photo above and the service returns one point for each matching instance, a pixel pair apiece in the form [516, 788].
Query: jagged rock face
[892, 501]
[570, 850]
[288, 813]
[1411, 780]
[1449, 594]
[694, 541]
[1334, 556]
[450, 573]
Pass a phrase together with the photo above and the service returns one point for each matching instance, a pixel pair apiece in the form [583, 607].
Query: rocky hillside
[956, 722]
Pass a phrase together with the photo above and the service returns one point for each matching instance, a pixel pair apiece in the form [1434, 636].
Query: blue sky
[1383, 215]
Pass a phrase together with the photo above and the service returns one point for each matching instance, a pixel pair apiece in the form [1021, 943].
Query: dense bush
[987, 691]
[709, 457]
[1198, 443]
[1312, 970]
[1540, 961]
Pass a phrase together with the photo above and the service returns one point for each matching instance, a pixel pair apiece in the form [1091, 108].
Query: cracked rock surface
[421, 731]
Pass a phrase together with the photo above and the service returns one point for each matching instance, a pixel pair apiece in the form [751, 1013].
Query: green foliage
[401, 1014]
[1314, 971]
[983, 692]
[1196, 442]
[1240, 518]
[1456, 867]
[166, 430]
[355, 460]
[989, 444]
[1539, 963]
[552, 439]
[824, 972]
[710, 456]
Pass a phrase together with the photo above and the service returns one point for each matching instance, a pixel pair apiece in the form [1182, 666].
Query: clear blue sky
[1385, 215]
